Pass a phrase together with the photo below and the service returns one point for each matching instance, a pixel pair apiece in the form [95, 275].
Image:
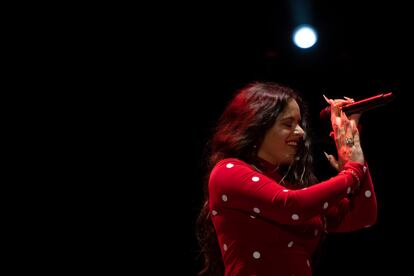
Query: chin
[290, 159]
[287, 161]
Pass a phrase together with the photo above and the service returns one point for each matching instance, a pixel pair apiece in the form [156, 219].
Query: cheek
[280, 137]
[278, 146]
[276, 142]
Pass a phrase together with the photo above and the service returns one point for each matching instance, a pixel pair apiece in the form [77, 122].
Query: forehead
[291, 110]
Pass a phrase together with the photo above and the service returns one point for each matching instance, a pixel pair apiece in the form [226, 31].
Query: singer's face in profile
[282, 140]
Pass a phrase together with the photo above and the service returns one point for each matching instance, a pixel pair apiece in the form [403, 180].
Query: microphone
[361, 106]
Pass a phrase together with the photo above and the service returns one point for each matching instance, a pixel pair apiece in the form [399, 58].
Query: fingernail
[327, 156]
[326, 99]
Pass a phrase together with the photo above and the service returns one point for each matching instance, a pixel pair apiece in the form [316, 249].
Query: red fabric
[265, 228]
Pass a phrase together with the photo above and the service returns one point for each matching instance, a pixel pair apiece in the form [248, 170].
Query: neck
[265, 166]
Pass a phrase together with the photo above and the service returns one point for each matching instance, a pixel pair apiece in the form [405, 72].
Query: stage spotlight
[305, 36]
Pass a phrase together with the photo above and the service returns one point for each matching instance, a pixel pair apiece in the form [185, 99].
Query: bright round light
[305, 37]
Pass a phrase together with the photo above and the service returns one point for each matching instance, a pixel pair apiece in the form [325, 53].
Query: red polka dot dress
[265, 228]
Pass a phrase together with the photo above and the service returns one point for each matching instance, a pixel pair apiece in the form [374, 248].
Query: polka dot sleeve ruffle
[236, 185]
[359, 211]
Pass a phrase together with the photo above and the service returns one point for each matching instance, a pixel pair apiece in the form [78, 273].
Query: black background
[179, 67]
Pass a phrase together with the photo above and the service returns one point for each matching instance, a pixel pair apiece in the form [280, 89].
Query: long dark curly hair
[240, 130]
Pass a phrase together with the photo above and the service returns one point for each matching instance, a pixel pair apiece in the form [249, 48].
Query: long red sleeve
[236, 185]
[265, 228]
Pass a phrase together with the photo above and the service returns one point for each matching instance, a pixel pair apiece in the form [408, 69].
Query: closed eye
[290, 122]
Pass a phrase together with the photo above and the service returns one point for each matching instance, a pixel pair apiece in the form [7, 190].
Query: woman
[264, 211]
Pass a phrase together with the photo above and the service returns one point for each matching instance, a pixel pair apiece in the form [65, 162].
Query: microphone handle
[360, 106]
[367, 104]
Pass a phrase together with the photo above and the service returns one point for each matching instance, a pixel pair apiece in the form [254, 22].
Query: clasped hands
[345, 134]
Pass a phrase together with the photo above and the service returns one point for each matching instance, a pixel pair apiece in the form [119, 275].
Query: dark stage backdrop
[196, 56]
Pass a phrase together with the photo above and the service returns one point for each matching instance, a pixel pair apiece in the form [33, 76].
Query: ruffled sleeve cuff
[357, 170]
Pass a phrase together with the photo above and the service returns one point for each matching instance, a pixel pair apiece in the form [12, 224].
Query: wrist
[357, 167]
[355, 176]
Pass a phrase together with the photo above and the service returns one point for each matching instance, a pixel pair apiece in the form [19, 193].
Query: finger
[338, 130]
[340, 123]
[329, 101]
[343, 116]
[340, 102]
[349, 99]
[353, 127]
[336, 106]
[332, 161]
[342, 130]
[357, 140]
[335, 116]
[344, 127]
[355, 117]
[347, 126]
[355, 133]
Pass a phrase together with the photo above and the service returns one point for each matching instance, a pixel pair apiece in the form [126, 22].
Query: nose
[299, 130]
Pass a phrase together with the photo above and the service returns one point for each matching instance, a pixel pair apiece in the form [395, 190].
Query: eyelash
[291, 125]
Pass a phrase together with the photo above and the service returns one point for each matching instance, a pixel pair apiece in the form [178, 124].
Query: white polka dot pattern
[256, 255]
[348, 190]
[256, 210]
[224, 247]
[325, 205]
[290, 244]
[295, 216]
[285, 190]
[224, 198]
[368, 193]
[214, 212]
[229, 165]
[255, 178]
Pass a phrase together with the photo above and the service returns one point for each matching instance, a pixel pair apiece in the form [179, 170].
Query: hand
[341, 102]
[346, 135]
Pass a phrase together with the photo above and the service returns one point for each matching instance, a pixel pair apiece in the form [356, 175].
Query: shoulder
[231, 163]
[232, 169]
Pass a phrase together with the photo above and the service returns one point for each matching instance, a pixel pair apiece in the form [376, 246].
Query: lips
[293, 143]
